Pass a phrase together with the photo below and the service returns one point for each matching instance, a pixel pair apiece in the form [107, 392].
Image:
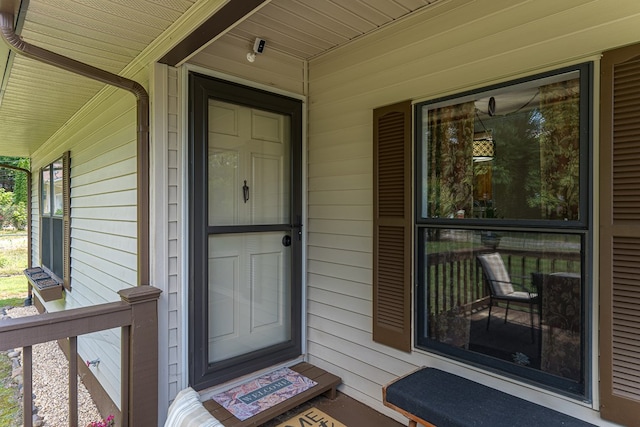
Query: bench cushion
[445, 399]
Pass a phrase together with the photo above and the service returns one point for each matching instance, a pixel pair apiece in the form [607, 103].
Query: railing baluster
[448, 290]
[124, 374]
[458, 285]
[437, 287]
[477, 284]
[465, 278]
[73, 381]
[27, 386]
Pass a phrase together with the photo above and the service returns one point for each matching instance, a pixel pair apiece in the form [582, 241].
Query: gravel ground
[51, 385]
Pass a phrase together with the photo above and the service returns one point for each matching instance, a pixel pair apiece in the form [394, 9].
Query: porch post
[141, 372]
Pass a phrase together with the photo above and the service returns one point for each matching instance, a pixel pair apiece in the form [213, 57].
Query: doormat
[312, 418]
[254, 396]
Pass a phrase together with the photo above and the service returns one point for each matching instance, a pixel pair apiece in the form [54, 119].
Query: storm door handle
[245, 191]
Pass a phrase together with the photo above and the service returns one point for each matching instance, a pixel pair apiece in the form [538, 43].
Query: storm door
[245, 223]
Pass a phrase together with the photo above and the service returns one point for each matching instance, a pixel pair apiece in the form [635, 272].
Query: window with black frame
[503, 229]
[52, 217]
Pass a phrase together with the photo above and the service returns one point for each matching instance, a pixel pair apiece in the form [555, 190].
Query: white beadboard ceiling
[38, 99]
[308, 28]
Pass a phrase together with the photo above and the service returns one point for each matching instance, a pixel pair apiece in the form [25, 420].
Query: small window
[502, 228]
[55, 218]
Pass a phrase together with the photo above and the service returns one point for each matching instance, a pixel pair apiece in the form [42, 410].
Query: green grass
[10, 410]
[13, 259]
[13, 291]
[13, 253]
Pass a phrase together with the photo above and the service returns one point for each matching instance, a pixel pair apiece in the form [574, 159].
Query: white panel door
[249, 285]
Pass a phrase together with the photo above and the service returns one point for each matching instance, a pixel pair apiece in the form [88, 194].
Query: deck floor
[343, 408]
[515, 333]
[503, 340]
[323, 396]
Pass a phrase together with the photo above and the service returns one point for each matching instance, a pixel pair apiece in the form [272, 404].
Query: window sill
[48, 287]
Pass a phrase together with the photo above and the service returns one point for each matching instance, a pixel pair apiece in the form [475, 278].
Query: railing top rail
[46, 327]
[460, 254]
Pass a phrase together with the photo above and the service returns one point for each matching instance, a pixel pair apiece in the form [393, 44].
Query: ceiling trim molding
[230, 15]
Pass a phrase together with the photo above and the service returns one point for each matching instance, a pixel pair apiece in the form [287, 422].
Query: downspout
[142, 107]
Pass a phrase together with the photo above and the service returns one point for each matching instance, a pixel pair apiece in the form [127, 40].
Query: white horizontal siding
[451, 47]
[117, 163]
[104, 186]
[348, 203]
[107, 171]
[176, 366]
[352, 243]
[340, 286]
[360, 321]
[126, 229]
[103, 219]
[107, 283]
[337, 256]
[345, 271]
[116, 262]
[104, 231]
[342, 227]
[336, 182]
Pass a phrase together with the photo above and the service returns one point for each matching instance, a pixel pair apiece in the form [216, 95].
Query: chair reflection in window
[501, 288]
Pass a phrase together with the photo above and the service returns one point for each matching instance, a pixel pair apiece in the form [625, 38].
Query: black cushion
[445, 399]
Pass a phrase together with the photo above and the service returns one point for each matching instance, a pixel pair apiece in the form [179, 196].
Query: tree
[14, 180]
[20, 190]
[11, 214]
[19, 216]
[13, 204]
[560, 150]
[6, 206]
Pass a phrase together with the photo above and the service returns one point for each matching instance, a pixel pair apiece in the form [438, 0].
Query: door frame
[200, 87]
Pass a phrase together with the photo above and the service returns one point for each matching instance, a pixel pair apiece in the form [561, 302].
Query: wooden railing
[455, 278]
[136, 314]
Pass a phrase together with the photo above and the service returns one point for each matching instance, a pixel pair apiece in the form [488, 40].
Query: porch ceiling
[37, 99]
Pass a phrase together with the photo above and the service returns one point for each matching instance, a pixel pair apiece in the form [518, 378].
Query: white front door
[249, 274]
[245, 221]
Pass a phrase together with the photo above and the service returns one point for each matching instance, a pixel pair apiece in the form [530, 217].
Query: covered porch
[116, 103]
[66, 68]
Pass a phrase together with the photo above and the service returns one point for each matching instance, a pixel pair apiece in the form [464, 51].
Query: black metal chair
[501, 287]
